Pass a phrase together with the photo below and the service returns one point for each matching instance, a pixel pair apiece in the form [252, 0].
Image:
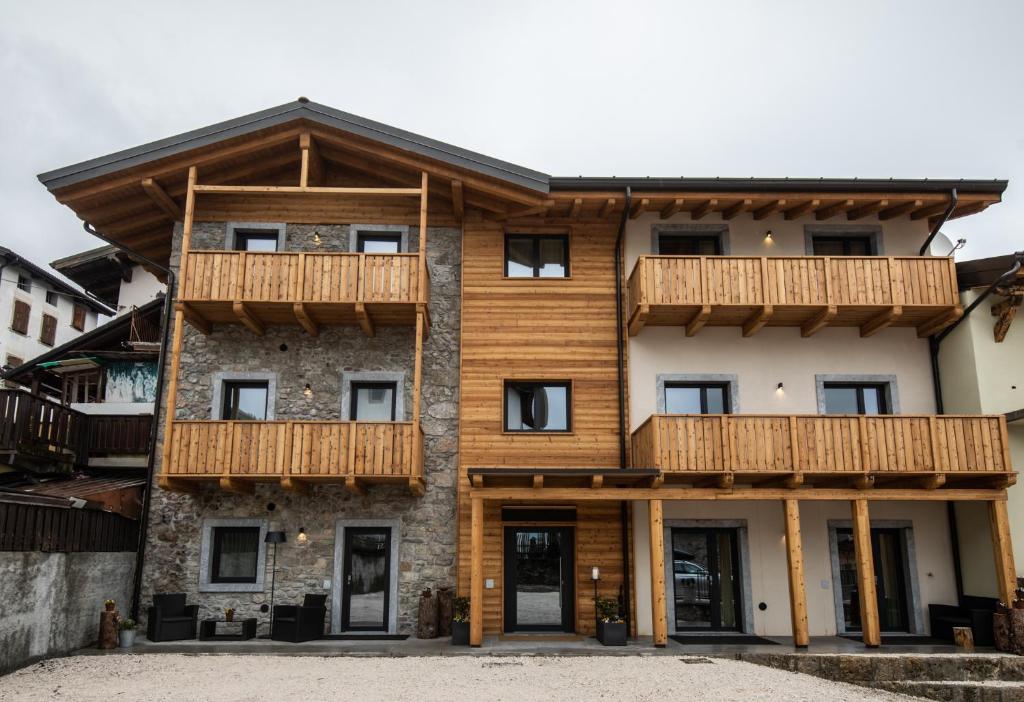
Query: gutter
[953, 199]
[620, 369]
[140, 554]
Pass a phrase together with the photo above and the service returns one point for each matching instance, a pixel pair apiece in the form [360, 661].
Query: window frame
[884, 390]
[78, 310]
[51, 339]
[393, 236]
[24, 283]
[567, 384]
[715, 237]
[52, 294]
[228, 385]
[215, 554]
[537, 238]
[703, 386]
[243, 236]
[356, 385]
[19, 304]
[845, 240]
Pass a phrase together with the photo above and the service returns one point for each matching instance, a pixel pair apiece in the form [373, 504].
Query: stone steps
[957, 690]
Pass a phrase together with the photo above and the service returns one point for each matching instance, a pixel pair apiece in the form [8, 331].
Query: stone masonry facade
[427, 542]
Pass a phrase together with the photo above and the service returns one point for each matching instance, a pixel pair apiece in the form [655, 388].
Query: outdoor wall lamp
[303, 537]
[780, 388]
[316, 238]
[595, 575]
[768, 237]
[307, 391]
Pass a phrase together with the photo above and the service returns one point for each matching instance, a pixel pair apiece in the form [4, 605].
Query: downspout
[620, 367]
[953, 198]
[140, 554]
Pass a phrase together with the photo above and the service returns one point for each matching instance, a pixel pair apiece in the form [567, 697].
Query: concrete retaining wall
[50, 603]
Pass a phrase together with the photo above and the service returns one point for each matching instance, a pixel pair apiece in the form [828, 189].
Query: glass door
[706, 579]
[890, 579]
[366, 592]
[539, 579]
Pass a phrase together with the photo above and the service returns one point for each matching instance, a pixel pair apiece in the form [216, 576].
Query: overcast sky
[801, 89]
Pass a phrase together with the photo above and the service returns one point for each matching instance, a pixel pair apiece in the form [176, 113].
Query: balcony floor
[203, 313]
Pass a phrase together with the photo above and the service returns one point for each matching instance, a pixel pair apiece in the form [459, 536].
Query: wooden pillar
[424, 188]
[657, 538]
[1006, 572]
[476, 587]
[865, 574]
[795, 560]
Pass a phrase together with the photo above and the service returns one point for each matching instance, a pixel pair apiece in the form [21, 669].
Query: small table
[238, 629]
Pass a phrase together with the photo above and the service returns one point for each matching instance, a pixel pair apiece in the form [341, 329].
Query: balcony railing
[828, 450]
[238, 453]
[301, 288]
[809, 292]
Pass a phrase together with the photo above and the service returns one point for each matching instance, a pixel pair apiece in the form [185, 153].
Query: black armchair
[974, 612]
[303, 622]
[170, 619]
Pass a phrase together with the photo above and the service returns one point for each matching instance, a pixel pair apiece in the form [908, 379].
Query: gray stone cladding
[427, 543]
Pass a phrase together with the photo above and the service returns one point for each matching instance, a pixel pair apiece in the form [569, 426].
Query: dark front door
[366, 592]
[539, 579]
[890, 579]
[706, 579]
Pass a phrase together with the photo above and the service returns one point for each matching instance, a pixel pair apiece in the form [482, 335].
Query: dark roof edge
[41, 272]
[327, 116]
[88, 256]
[836, 185]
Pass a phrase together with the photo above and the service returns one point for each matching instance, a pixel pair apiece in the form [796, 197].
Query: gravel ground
[181, 677]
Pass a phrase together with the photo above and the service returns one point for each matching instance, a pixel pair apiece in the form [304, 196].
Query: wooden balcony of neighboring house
[809, 292]
[39, 434]
[297, 454]
[310, 289]
[840, 451]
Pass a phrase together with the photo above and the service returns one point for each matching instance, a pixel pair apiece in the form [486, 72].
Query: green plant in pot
[611, 628]
[460, 621]
[126, 633]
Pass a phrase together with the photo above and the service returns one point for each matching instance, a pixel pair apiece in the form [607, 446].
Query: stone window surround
[742, 545]
[868, 231]
[892, 396]
[349, 377]
[339, 575]
[729, 378]
[206, 556]
[915, 612]
[354, 229]
[232, 227]
[218, 389]
[722, 230]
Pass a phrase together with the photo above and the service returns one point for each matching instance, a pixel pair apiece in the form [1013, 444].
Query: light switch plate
[327, 584]
[489, 583]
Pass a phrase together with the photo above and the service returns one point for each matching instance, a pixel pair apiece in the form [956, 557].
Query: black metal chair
[296, 623]
[170, 619]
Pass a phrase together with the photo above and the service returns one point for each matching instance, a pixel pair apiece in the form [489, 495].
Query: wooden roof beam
[832, 210]
[606, 207]
[161, 199]
[866, 209]
[458, 204]
[541, 209]
[703, 208]
[575, 207]
[900, 209]
[672, 208]
[312, 170]
[771, 208]
[801, 209]
[638, 207]
[929, 210]
[740, 207]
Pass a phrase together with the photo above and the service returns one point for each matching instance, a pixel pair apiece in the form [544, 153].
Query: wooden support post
[881, 321]
[1002, 550]
[659, 616]
[458, 201]
[194, 318]
[364, 319]
[417, 369]
[865, 574]
[795, 560]
[246, 317]
[424, 186]
[476, 573]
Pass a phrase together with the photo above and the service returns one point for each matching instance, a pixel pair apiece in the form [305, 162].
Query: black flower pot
[611, 633]
[460, 633]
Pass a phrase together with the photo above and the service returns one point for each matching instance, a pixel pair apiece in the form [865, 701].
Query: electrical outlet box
[489, 583]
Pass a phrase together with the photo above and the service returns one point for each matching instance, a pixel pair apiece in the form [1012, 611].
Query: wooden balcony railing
[809, 292]
[310, 289]
[296, 453]
[828, 450]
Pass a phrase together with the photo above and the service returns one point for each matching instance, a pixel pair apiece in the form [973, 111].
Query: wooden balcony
[308, 289]
[809, 292]
[296, 454]
[928, 451]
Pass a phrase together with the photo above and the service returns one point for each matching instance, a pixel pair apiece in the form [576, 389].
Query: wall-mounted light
[302, 537]
[780, 388]
[768, 237]
[316, 238]
[307, 391]
[595, 573]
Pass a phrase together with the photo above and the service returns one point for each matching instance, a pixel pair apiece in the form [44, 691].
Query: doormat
[364, 637]
[902, 640]
[711, 640]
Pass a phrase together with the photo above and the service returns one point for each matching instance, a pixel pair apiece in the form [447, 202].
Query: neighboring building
[41, 311]
[406, 356]
[982, 366]
[113, 277]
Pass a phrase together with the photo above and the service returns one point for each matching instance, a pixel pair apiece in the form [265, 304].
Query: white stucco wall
[767, 556]
[142, 288]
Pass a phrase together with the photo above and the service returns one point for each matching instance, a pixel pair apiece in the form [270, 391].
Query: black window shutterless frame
[567, 585]
[243, 238]
[681, 244]
[231, 388]
[362, 238]
[849, 244]
[239, 533]
[532, 385]
[703, 387]
[536, 240]
[346, 592]
[353, 411]
[860, 389]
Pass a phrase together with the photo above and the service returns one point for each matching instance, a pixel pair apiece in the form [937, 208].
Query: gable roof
[61, 286]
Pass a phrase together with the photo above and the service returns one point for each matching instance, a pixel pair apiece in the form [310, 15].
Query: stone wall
[427, 546]
[50, 603]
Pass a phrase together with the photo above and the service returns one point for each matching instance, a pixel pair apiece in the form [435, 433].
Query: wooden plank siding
[919, 292]
[557, 329]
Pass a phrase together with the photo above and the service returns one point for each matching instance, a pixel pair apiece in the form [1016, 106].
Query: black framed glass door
[366, 592]
[890, 579]
[539, 579]
[706, 579]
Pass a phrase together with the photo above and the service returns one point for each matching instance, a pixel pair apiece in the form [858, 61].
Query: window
[14, 361]
[19, 320]
[373, 243]
[48, 333]
[78, 317]
[24, 283]
[537, 406]
[51, 298]
[255, 240]
[373, 402]
[689, 245]
[697, 398]
[245, 400]
[843, 245]
[529, 256]
[856, 398]
[236, 552]
[82, 386]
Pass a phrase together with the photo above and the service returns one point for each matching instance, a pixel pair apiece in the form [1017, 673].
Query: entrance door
[539, 579]
[890, 579]
[366, 592]
[706, 579]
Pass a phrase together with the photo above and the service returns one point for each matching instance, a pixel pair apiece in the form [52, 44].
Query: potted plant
[109, 605]
[460, 621]
[611, 629]
[126, 633]
[229, 614]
